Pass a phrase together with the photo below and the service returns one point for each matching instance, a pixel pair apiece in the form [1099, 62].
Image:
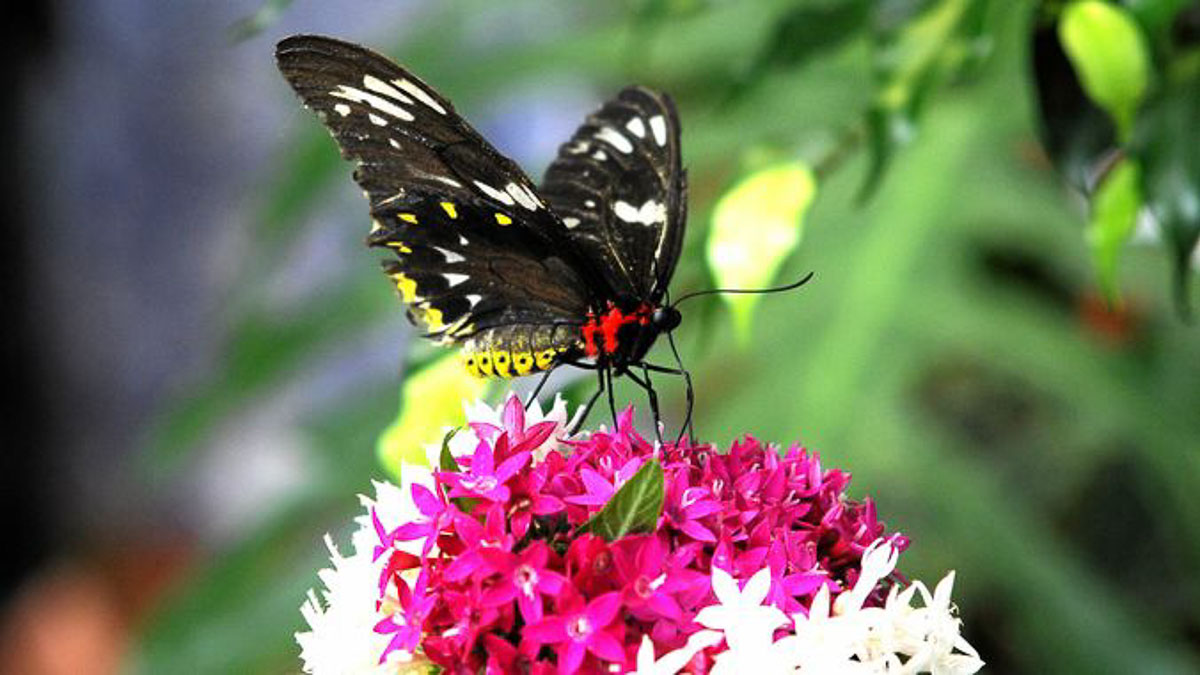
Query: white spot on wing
[342, 109]
[377, 85]
[571, 223]
[451, 256]
[455, 279]
[377, 102]
[474, 299]
[658, 127]
[636, 127]
[448, 181]
[377, 120]
[394, 143]
[420, 94]
[462, 241]
[650, 213]
[578, 147]
[523, 196]
[615, 139]
[600, 155]
[498, 195]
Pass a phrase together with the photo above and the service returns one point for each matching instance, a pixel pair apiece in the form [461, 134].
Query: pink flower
[523, 576]
[578, 628]
[483, 479]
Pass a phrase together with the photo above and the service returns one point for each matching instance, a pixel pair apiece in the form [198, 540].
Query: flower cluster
[524, 551]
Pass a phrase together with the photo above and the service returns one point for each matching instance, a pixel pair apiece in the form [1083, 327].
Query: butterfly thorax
[620, 335]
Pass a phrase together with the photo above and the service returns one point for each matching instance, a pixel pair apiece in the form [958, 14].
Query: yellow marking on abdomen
[481, 361]
[501, 360]
[408, 218]
[450, 210]
[503, 219]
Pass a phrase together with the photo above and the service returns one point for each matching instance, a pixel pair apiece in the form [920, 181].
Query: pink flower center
[526, 579]
[579, 627]
[643, 586]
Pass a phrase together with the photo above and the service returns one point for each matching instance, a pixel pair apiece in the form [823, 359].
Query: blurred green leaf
[1114, 214]
[635, 507]
[802, 32]
[1156, 16]
[431, 399]
[756, 225]
[1169, 147]
[1109, 52]
[913, 42]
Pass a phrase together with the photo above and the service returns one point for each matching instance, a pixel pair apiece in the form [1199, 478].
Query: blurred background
[998, 198]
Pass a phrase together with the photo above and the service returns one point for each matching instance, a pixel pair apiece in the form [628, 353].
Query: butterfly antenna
[746, 291]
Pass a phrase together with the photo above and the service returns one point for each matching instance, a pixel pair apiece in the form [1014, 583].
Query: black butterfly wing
[620, 190]
[475, 245]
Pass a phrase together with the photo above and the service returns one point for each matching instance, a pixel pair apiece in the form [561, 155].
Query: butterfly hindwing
[620, 190]
[476, 247]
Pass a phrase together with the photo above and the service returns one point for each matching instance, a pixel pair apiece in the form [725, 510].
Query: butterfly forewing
[619, 188]
[476, 248]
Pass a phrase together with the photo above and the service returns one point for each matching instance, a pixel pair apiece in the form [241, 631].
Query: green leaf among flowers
[634, 508]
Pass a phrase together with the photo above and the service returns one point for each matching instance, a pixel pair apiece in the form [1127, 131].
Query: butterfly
[523, 278]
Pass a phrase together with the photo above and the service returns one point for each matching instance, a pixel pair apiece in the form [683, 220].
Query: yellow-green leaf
[1109, 54]
[1114, 214]
[431, 399]
[755, 226]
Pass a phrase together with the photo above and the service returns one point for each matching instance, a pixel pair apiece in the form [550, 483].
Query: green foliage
[947, 351]
[1114, 215]
[635, 507]
[756, 226]
[1110, 55]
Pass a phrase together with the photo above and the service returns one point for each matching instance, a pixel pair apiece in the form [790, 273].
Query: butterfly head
[665, 319]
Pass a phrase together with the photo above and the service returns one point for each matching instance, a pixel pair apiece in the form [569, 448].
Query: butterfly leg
[606, 372]
[538, 389]
[587, 408]
[652, 395]
[691, 397]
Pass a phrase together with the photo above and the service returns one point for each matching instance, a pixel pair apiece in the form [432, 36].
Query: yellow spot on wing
[433, 317]
[503, 219]
[399, 245]
[406, 286]
[450, 210]
[407, 217]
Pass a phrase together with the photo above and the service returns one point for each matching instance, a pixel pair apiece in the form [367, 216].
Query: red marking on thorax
[608, 326]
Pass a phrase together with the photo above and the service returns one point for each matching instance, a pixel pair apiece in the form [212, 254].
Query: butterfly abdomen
[516, 350]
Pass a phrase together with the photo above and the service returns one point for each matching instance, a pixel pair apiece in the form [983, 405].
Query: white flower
[843, 637]
[341, 639]
[464, 442]
[741, 616]
[672, 662]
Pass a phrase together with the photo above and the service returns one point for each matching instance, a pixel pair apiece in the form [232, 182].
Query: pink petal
[606, 646]
[602, 610]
